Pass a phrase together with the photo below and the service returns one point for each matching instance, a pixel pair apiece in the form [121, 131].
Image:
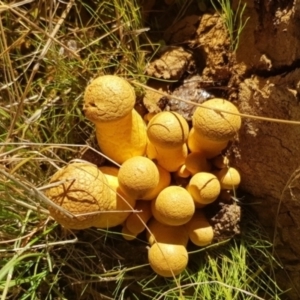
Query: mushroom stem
[124, 138]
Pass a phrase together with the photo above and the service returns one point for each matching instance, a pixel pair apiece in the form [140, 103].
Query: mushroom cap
[108, 98]
[173, 206]
[168, 130]
[118, 207]
[164, 181]
[215, 125]
[170, 159]
[229, 178]
[200, 231]
[83, 190]
[167, 260]
[161, 233]
[133, 222]
[208, 148]
[196, 162]
[127, 235]
[138, 176]
[204, 187]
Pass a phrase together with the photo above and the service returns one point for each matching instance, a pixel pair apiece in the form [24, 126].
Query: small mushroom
[199, 230]
[170, 159]
[135, 223]
[173, 206]
[82, 189]
[127, 235]
[119, 204]
[208, 148]
[164, 181]
[138, 176]
[204, 188]
[196, 162]
[168, 130]
[215, 125]
[161, 233]
[167, 260]
[229, 178]
[120, 130]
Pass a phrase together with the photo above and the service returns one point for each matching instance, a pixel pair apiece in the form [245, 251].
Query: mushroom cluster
[170, 171]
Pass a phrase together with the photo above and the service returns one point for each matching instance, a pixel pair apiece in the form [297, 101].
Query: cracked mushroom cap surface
[204, 188]
[108, 98]
[168, 130]
[215, 125]
[81, 189]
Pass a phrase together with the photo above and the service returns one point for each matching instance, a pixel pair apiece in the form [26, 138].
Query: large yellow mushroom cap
[173, 206]
[204, 188]
[215, 125]
[168, 130]
[82, 189]
[138, 176]
[167, 260]
[108, 98]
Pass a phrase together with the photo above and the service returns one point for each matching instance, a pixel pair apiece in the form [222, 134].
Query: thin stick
[289, 122]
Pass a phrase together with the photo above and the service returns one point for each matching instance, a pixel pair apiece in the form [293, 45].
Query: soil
[263, 79]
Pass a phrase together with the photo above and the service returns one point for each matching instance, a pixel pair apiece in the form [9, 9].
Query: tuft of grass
[233, 20]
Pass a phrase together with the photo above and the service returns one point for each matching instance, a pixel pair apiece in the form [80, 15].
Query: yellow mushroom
[127, 235]
[168, 130]
[119, 204]
[81, 189]
[199, 230]
[135, 223]
[164, 181]
[208, 148]
[173, 206]
[215, 125]
[167, 260]
[204, 188]
[161, 233]
[138, 176]
[183, 172]
[196, 162]
[120, 130]
[229, 178]
[170, 159]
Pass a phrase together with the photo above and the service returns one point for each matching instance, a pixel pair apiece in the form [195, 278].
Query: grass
[233, 20]
[48, 54]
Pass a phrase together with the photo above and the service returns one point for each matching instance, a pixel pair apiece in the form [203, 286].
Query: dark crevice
[283, 71]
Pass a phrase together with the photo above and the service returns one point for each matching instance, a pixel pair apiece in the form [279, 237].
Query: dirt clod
[190, 90]
[226, 221]
[172, 63]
